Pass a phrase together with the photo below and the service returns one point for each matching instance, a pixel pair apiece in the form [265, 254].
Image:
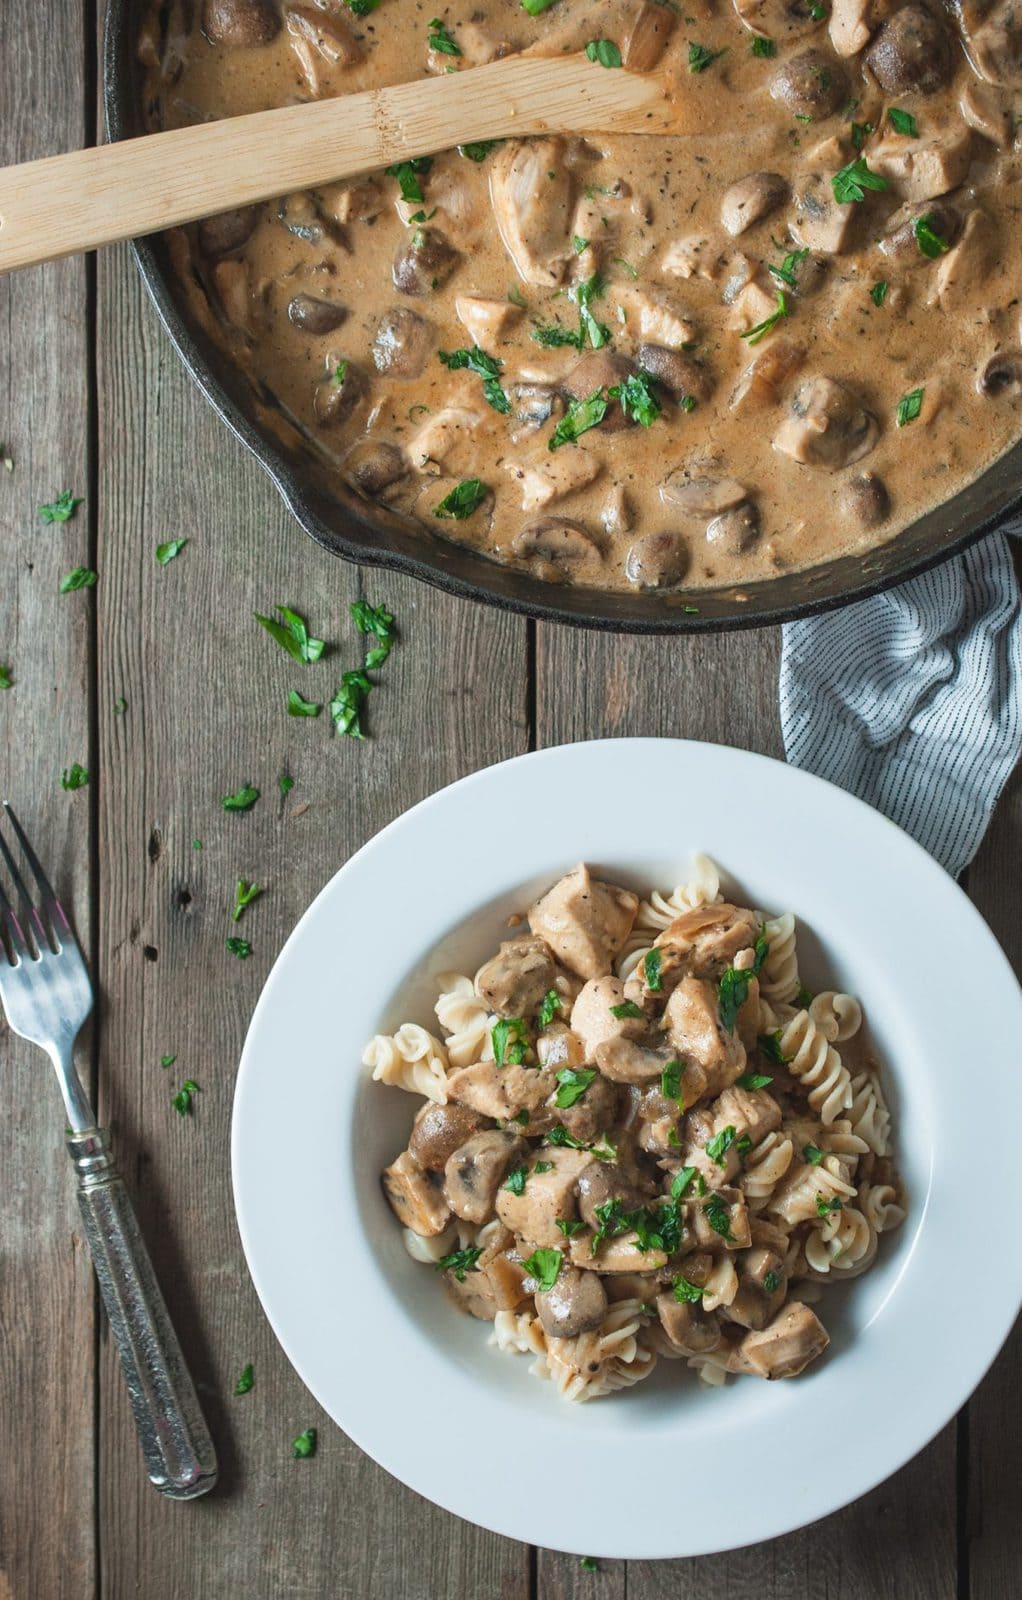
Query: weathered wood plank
[995, 1413]
[47, 1326]
[206, 691]
[898, 1542]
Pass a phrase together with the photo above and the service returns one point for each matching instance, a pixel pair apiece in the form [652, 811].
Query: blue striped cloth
[913, 700]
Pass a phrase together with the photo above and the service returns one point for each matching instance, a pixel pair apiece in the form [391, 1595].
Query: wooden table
[93, 400]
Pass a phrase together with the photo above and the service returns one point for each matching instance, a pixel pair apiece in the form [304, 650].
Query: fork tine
[29, 911]
[12, 940]
[50, 904]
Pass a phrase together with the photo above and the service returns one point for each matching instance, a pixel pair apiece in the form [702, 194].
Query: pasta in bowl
[642, 1138]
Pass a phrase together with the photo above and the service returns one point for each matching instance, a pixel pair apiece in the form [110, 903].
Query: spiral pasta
[868, 1112]
[663, 906]
[779, 980]
[466, 1019]
[843, 1241]
[596, 1364]
[765, 1166]
[410, 1059]
[838, 1015]
[809, 1055]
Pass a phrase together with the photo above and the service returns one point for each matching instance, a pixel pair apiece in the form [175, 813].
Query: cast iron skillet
[343, 523]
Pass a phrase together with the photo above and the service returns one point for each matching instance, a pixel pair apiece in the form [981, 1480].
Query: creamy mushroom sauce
[844, 420]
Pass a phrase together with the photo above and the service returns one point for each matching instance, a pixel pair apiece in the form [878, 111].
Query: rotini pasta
[616, 1162]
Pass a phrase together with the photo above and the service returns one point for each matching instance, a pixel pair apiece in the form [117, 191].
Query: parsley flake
[627, 1008]
[459, 1262]
[651, 970]
[292, 635]
[718, 1217]
[510, 1041]
[165, 553]
[182, 1101]
[465, 498]
[681, 1181]
[580, 416]
[544, 1266]
[242, 799]
[238, 947]
[670, 1080]
[305, 1445]
[298, 706]
[246, 1380]
[719, 1146]
[78, 578]
[930, 243]
[572, 1085]
[637, 398]
[699, 58]
[878, 293]
[761, 329]
[686, 1293]
[909, 407]
[763, 47]
[244, 895]
[74, 777]
[60, 510]
[604, 51]
[903, 122]
[813, 1154]
[549, 1009]
[851, 183]
[486, 367]
[441, 41]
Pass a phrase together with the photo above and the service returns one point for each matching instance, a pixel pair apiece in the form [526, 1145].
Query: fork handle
[176, 1444]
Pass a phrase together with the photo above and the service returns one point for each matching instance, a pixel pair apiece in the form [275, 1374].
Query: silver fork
[46, 995]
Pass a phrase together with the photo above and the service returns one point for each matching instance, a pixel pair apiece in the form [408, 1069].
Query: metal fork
[46, 995]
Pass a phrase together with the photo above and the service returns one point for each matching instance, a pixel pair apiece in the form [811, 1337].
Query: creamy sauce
[843, 421]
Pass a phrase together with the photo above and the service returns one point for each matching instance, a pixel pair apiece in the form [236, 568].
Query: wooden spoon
[63, 204]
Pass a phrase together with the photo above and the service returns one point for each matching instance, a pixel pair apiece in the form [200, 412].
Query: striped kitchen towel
[913, 700]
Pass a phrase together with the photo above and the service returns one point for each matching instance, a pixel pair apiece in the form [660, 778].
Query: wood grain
[47, 1300]
[899, 1542]
[206, 691]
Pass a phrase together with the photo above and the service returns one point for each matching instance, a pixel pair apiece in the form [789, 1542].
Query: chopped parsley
[408, 174]
[813, 1154]
[851, 183]
[346, 705]
[569, 1226]
[292, 635]
[743, 1146]
[510, 1041]
[580, 416]
[62, 509]
[544, 1266]
[733, 990]
[6, 681]
[238, 947]
[378, 622]
[78, 578]
[763, 47]
[182, 1101]
[297, 706]
[165, 553]
[718, 1217]
[699, 58]
[362, 8]
[816, 10]
[516, 1180]
[651, 970]
[536, 7]
[753, 1080]
[878, 293]
[760, 331]
[587, 1563]
[246, 1380]
[682, 1179]
[604, 51]
[686, 1293]
[903, 122]
[244, 895]
[719, 1146]
[559, 1136]
[825, 1207]
[522, 1117]
[572, 1084]
[771, 1282]
[120, 706]
[549, 1009]
[579, 244]
[74, 777]
[167, 1061]
[487, 367]
[785, 273]
[460, 1261]
[909, 407]
[859, 133]
[627, 1008]
[479, 149]
[465, 498]
[285, 783]
[637, 398]
[440, 40]
[670, 1080]
[543, 1166]
[242, 799]
[929, 241]
[305, 1445]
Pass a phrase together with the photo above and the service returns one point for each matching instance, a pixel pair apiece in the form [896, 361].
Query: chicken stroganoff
[642, 1137]
[657, 362]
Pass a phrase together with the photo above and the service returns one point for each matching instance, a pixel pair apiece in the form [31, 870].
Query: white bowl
[371, 1332]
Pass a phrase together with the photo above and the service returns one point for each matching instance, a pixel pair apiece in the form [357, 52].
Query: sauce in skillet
[537, 347]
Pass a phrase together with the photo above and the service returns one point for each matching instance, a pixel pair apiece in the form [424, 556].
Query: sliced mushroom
[676, 370]
[556, 540]
[240, 24]
[301, 217]
[600, 1183]
[751, 199]
[424, 263]
[912, 51]
[626, 1061]
[1001, 376]
[657, 560]
[222, 234]
[415, 1196]
[768, 374]
[689, 491]
[734, 531]
[778, 19]
[865, 500]
[331, 37]
[439, 1131]
[599, 370]
[338, 392]
[475, 1171]
[995, 47]
[576, 1304]
[811, 84]
[374, 465]
[533, 403]
[899, 242]
[988, 111]
[516, 980]
[694, 1331]
[827, 426]
[403, 343]
[762, 1286]
[313, 315]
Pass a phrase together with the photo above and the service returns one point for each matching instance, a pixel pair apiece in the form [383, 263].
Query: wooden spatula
[63, 204]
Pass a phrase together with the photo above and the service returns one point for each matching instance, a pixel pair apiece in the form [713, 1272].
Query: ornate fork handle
[179, 1454]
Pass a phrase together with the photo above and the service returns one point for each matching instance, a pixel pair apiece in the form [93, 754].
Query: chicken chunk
[704, 942]
[487, 321]
[531, 195]
[820, 224]
[432, 442]
[584, 921]
[652, 316]
[969, 265]
[787, 1346]
[416, 1197]
[593, 1019]
[826, 426]
[516, 980]
[722, 1219]
[476, 1170]
[501, 1092]
[555, 477]
[922, 169]
[762, 1286]
[697, 1034]
[533, 1214]
[852, 23]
